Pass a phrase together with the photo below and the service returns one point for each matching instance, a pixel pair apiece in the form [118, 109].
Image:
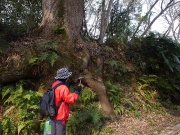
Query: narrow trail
[148, 124]
[172, 131]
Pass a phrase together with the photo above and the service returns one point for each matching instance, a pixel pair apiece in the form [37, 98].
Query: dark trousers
[57, 129]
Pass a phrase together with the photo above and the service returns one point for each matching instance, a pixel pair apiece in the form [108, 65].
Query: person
[64, 98]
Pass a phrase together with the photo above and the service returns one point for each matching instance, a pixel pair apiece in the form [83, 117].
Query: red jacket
[63, 94]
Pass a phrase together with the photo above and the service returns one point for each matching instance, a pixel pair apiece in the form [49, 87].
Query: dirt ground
[147, 124]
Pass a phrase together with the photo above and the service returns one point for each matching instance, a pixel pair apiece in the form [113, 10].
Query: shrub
[21, 112]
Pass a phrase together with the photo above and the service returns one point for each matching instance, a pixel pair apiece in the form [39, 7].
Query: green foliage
[87, 120]
[115, 71]
[119, 100]
[21, 109]
[87, 96]
[158, 55]
[113, 67]
[169, 88]
[120, 27]
[19, 16]
[146, 92]
[111, 63]
[47, 52]
[154, 93]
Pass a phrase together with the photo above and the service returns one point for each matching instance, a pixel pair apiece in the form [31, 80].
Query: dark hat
[63, 73]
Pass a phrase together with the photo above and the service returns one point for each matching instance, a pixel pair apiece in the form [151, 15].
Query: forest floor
[154, 123]
[161, 123]
[141, 123]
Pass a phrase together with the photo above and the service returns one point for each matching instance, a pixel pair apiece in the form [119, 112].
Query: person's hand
[79, 88]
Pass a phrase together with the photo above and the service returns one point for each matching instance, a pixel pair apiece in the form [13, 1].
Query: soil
[147, 124]
[143, 124]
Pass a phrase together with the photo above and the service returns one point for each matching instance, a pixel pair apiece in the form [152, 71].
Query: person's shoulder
[64, 86]
[55, 83]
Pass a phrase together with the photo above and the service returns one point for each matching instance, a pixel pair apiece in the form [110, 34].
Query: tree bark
[49, 19]
[97, 85]
[70, 17]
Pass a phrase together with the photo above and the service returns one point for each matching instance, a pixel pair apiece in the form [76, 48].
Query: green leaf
[8, 110]
[43, 56]
[28, 96]
[20, 127]
[176, 59]
[4, 93]
[34, 107]
[53, 58]
[111, 62]
[33, 60]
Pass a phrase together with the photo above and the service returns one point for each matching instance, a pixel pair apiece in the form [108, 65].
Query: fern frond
[43, 56]
[6, 91]
[95, 118]
[167, 62]
[111, 62]
[33, 61]
[20, 127]
[47, 44]
[176, 59]
[27, 96]
[8, 110]
[52, 58]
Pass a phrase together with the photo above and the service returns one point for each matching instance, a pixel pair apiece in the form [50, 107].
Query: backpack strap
[54, 90]
[57, 85]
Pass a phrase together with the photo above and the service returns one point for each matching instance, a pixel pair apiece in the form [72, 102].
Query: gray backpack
[47, 104]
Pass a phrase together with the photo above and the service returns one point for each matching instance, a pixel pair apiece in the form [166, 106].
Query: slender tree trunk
[142, 20]
[170, 4]
[105, 19]
[102, 21]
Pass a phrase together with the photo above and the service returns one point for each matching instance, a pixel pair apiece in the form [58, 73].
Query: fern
[8, 110]
[22, 108]
[47, 53]
[87, 96]
[6, 90]
[146, 92]
[111, 63]
[43, 56]
[160, 56]
[118, 99]
[52, 58]
[88, 119]
[33, 61]
[167, 62]
[48, 43]
[8, 126]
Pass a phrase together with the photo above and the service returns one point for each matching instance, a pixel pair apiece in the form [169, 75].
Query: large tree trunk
[68, 14]
[62, 14]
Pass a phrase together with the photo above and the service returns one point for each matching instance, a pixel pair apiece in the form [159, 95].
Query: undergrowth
[87, 118]
[20, 117]
[119, 99]
[153, 88]
[46, 52]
